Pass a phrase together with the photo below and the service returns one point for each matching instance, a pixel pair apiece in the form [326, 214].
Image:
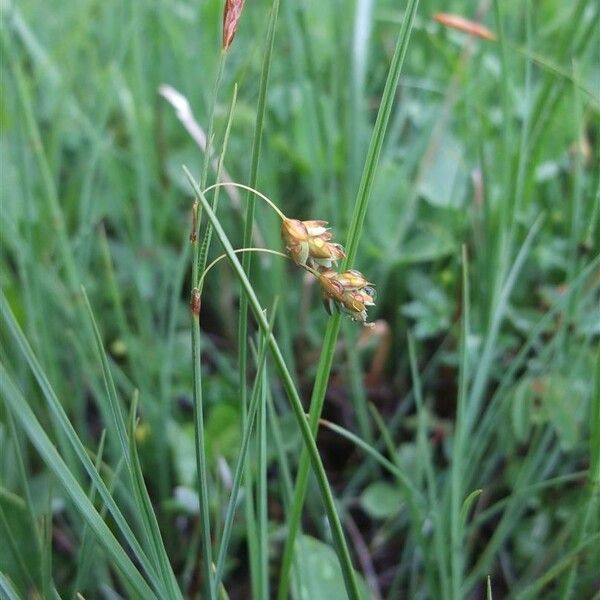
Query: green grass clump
[169, 431]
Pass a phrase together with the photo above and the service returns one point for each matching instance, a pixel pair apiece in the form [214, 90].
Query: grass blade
[247, 239]
[36, 434]
[293, 397]
[127, 441]
[241, 462]
[461, 430]
[333, 327]
[439, 538]
[61, 418]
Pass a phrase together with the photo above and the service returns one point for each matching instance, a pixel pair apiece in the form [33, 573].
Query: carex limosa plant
[309, 245]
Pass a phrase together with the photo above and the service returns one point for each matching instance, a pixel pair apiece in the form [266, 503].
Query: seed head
[231, 16]
[349, 292]
[309, 242]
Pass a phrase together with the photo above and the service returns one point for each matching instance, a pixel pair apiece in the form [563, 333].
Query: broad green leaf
[443, 181]
[381, 500]
[316, 573]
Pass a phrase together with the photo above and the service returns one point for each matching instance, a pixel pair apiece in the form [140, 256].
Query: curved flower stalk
[309, 245]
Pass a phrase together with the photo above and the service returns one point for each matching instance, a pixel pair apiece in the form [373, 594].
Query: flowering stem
[331, 333]
[238, 251]
[294, 399]
[249, 189]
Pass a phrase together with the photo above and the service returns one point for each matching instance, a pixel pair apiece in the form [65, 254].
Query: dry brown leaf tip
[464, 25]
[231, 16]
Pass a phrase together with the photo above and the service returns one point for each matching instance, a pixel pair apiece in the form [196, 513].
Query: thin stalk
[242, 337]
[248, 189]
[211, 118]
[38, 437]
[461, 430]
[199, 444]
[238, 251]
[591, 497]
[261, 484]
[204, 247]
[200, 453]
[75, 444]
[241, 461]
[249, 218]
[294, 399]
[439, 539]
[333, 326]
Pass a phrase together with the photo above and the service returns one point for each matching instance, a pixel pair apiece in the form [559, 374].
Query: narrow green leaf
[145, 510]
[7, 589]
[293, 397]
[333, 326]
[54, 462]
[57, 410]
[466, 506]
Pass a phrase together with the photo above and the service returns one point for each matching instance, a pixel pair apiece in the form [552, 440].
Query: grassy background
[482, 372]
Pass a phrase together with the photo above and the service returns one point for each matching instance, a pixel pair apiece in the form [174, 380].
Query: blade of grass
[591, 498]
[250, 199]
[7, 589]
[199, 443]
[293, 397]
[36, 434]
[247, 257]
[461, 432]
[211, 119]
[262, 492]
[241, 461]
[85, 548]
[205, 245]
[156, 547]
[414, 502]
[439, 539]
[533, 590]
[144, 505]
[46, 535]
[389, 466]
[481, 375]
[56, 218]
[23, 476]
[482, 437]
[333, 326]
[285, 479]
[11, 542]
[61, 418]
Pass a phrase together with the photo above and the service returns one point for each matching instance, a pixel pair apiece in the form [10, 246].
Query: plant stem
[333, 327]
[294, 399]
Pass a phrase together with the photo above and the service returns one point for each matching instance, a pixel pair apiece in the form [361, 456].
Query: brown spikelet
[231, 16]
[195, 302]
[462, 24]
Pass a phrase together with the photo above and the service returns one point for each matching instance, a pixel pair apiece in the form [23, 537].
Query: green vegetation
[167, 432]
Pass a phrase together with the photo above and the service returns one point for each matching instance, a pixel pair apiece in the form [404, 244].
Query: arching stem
[249, 189]
[240, 251]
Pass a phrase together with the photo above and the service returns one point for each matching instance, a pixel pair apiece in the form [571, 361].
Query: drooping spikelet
[348, 291]
[308, 242]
